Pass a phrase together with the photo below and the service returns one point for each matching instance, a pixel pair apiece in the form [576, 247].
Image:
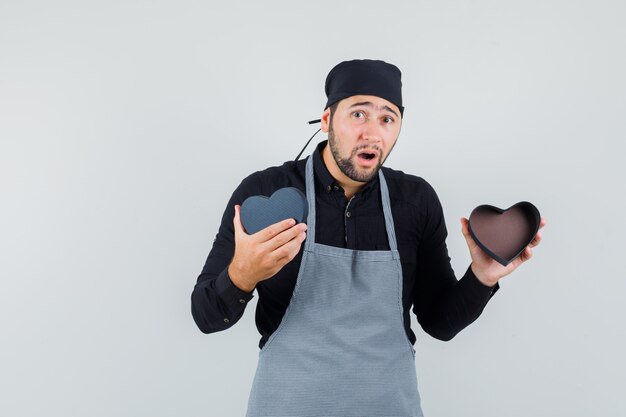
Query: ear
[325, 121]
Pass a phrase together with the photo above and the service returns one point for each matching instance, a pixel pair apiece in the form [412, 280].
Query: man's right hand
[261, 255]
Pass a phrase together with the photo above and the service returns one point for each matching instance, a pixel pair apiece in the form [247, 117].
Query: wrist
[238, 279]
[482, 278]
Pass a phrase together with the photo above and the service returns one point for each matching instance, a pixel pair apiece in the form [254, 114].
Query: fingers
[466, 232]
[271, 231]
[289, 250]
[536, 240]
[286, 236]
[239, 230]
[464, 226]
[527, 254]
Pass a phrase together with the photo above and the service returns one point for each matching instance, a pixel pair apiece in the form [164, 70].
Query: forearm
[456, 307]
[219, 300]
[216, 303]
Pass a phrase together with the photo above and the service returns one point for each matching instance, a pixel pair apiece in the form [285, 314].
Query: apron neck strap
[310, 196]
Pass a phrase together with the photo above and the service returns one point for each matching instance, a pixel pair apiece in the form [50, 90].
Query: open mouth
[367, 156]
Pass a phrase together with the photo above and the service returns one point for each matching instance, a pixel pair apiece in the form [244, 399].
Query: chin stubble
[346, 165]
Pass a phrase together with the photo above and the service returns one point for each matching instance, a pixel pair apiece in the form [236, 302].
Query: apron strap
[391, 231]
[310, 197]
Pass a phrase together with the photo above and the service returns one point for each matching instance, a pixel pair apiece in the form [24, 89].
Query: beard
[347, 166]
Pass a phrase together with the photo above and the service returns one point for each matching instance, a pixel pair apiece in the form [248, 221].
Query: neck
[349, 186]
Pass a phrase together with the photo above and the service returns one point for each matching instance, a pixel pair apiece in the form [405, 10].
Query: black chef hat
[364, 77]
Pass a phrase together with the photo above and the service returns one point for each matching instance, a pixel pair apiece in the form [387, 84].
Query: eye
[358, 112]
[388, 120]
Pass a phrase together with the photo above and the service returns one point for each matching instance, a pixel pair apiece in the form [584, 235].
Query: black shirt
[443, 306]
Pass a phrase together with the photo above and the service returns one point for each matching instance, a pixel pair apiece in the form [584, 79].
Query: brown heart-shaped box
[504, 234]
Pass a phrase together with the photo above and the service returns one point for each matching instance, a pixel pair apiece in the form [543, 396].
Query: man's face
[361, 134]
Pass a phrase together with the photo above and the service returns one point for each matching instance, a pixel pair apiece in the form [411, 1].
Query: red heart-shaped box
[504, 234]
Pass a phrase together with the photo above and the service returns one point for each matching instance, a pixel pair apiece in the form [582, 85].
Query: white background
[126, 125]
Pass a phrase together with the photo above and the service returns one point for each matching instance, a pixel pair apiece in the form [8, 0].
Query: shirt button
[347, 214]
[328, 188]
[336, 188]
[241, 300]
[226, 321]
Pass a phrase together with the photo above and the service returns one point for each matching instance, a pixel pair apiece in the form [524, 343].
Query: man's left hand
[488, 270]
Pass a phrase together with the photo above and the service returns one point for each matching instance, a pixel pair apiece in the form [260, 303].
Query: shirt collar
[327, 179]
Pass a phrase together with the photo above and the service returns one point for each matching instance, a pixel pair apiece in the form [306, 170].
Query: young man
[334, 316]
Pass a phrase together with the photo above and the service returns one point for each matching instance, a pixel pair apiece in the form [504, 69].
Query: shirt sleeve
[444, 306]
[216, 303]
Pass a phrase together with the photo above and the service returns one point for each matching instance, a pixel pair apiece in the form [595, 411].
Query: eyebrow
[370, 104]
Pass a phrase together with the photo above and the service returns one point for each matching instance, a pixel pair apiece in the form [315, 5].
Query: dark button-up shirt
[443, 306]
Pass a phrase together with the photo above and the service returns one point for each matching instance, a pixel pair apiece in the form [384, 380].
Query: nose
[372, 131]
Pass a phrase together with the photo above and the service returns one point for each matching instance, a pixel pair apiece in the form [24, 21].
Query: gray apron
[341, 348]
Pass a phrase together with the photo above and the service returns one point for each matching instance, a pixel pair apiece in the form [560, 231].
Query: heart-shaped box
[259, 211]
[504, 234]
